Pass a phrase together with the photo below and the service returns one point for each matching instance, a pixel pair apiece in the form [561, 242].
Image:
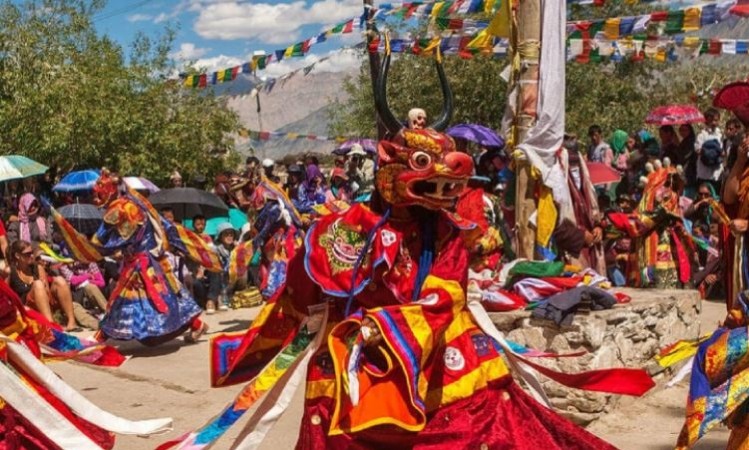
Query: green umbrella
[236, 218]
[13, 167]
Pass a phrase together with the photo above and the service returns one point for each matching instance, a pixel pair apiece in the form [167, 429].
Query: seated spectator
[339, 187]
[198, 225]
[311, 191]
[30, 281]
[701, 210]
[708, 280]
[167, 212]
[4, 267]
[219, 290]
[31, 225]
[86, 281]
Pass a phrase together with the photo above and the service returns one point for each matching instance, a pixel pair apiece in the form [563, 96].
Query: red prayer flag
[659, 16]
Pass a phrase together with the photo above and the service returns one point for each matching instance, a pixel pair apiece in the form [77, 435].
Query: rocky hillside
[299, 104]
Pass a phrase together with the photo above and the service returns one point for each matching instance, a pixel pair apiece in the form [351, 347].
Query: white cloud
[139, 17]
[337, 61]
[219, 62]
[271, 23]
[188, 51]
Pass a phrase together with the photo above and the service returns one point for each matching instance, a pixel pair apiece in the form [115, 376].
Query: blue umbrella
[80, 180]
[477, 133]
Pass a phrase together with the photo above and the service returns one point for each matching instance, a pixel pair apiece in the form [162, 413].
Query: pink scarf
[23, 217]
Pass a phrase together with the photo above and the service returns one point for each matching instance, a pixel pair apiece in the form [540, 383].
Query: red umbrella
[675, 115]
[601, 174]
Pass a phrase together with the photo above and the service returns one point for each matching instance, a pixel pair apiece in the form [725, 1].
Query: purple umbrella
[369, 145]
[478, 134]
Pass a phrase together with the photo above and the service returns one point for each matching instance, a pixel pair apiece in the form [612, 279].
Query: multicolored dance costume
[396, 354]
[38, 411]
[662, 246]
[719, 387]
[148, 304]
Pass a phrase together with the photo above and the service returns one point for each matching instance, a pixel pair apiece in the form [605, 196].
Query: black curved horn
[381, 102]
[447, 106]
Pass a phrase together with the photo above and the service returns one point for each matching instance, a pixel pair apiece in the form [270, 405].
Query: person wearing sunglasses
[29, 280]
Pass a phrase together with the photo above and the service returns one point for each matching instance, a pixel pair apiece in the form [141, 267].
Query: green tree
[70, 97]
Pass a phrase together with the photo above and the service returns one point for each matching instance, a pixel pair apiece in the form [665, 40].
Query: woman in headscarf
[312, 190]
[31, 226]
[621, 144]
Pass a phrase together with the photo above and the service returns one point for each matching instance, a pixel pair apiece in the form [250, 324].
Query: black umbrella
[189, 202]
[84, 217]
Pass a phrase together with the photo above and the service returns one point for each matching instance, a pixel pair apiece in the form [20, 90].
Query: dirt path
[172, 381]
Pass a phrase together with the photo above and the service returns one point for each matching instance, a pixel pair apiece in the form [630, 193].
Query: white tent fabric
[543, 141]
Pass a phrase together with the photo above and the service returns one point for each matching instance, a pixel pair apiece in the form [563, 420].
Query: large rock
[626, 336]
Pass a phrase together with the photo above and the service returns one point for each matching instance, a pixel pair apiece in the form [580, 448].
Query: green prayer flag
[675, 22]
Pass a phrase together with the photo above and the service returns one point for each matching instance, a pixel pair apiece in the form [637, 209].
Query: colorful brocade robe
[434, 380]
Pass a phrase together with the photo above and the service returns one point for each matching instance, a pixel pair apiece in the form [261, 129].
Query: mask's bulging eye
[421, 160]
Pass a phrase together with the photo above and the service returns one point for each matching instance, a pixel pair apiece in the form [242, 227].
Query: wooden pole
[374, 58]
[527, 38]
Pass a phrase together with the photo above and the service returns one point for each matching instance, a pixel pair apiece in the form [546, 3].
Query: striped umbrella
[13, 167]
[79, 180]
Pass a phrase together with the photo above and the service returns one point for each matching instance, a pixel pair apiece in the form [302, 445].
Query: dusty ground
[172, 381]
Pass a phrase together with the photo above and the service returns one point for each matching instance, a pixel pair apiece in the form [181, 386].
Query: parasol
[369, 146]
[13, 167]
[141, 184]
[476, 133]
[79, 180]
[674, 115]
[601, 174]
[189, 202]
[84, 217]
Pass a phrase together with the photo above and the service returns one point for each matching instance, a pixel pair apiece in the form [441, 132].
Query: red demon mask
[422, 167]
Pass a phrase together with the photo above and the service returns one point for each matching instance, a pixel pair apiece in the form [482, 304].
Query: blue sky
[223, 33]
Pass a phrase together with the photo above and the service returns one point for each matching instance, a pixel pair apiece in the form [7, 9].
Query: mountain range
[301, 104]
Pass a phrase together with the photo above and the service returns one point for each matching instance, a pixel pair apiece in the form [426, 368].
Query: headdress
[106, 188]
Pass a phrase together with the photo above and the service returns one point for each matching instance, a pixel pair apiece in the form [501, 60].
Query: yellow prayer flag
[692, 19]
[481, 41]
[289, 51]
[292, 135]
[436, 8]
[500, 24]
[433, 44]
[692, 42]
[546, 217]
[660, 55]
[611, 28]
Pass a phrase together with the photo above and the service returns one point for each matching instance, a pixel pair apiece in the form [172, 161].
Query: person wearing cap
[339, 187]
[268, 166]
[294, 180]
[360, 171]
[176, 179]
[709, 149]
[219, 289]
